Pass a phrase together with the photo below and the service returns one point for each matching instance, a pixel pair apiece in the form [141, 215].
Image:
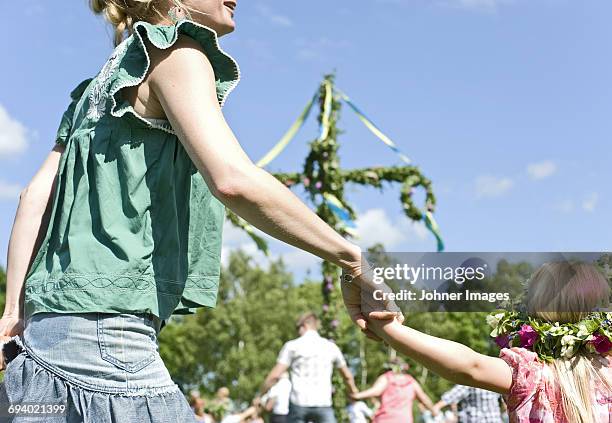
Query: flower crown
[512, 328]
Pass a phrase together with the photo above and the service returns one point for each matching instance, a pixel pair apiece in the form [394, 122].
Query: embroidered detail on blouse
[99, 93]
[129, 282]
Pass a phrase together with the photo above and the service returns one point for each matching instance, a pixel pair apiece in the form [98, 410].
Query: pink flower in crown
[318, 185]
[334, 323]
[527, 336]
[306, 181]
[325, 307]
[503, 341]
[601, 343]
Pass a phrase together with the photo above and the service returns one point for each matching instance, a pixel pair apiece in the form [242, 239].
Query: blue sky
[504, 104]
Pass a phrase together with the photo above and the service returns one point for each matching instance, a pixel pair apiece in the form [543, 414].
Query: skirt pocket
[129, 341]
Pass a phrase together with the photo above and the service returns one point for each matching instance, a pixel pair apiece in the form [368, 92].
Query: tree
[237, 343]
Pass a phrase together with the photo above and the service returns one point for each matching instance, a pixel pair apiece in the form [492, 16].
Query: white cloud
[9, 191]
[565, 206]
[34, 9]
[475, 5]
[301, 259]
[541, 170]
[374, 226]
[235, 239]
[319, 48]
[590, 203]
[13, 135]
[274, 17]
[492, 186]
[480, 5]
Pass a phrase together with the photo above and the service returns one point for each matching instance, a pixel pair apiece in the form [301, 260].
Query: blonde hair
[122, 14]
[566, 292]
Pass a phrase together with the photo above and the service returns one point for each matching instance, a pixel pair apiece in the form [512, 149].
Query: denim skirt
[101, 367]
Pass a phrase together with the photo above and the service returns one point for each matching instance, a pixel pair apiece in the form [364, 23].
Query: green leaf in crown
[593, 334]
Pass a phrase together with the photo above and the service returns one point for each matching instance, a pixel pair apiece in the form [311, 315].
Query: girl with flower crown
[555, 365]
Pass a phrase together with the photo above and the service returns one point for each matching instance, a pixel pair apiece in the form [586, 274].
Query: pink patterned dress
[533, 397]
[396, 401]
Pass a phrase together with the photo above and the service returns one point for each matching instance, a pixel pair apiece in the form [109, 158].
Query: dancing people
[397, 391]
[474, 405]
[310, 359]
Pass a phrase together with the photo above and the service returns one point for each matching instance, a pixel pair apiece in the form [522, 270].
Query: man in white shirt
[310, 360]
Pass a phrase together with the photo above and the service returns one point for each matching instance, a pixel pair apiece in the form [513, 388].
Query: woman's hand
[365, 300]
[9, 327]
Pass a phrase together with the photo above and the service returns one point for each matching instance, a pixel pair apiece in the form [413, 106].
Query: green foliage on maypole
[322, 174]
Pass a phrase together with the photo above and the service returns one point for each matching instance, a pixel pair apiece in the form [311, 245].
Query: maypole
[324, 180]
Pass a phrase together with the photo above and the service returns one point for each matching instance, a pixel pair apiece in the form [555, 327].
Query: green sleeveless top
[134, 227]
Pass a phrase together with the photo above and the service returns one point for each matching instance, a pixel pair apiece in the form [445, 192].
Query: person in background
[223, 400]
[276, 400]
[447, 416]
[222, 396]
[474, 405]
[358, 411]
[504, 410]
[198, 405]
[249, 415]
[193, 395]
[397, 391]
[310, 360]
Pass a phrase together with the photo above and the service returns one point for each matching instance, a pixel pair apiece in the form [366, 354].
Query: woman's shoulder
[133, 61]
[155, 42]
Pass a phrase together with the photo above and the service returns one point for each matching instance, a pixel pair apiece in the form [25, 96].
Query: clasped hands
[365, 310]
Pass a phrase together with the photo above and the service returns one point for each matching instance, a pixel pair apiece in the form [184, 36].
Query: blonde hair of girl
[123, 14]
[566, 292]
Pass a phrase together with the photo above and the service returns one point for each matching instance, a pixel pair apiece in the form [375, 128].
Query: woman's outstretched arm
[29, 229]
[451, 360]
[183, 82]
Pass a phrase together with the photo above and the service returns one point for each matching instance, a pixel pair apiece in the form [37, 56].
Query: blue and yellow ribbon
[289, 135]
[341, 213]
[432, 225]
[373, 128]
[327, 107]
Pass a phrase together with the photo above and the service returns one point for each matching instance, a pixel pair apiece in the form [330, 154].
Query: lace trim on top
[227, 71]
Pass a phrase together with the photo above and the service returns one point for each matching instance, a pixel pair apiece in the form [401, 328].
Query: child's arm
[375, 391]
[451, 360]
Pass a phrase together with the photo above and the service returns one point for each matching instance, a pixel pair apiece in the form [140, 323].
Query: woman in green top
[122, 225]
